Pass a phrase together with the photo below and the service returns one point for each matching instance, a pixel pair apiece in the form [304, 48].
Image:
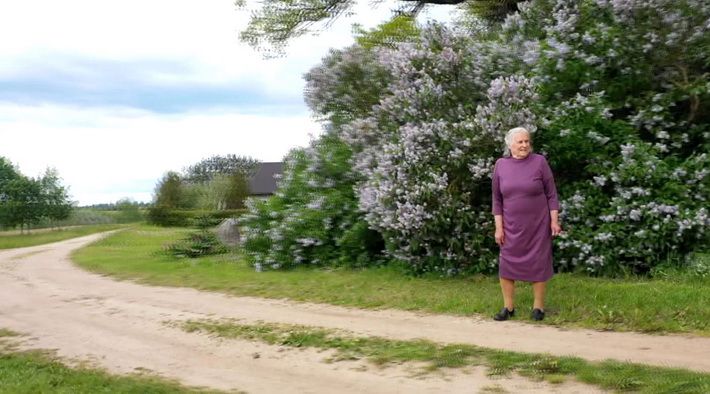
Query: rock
[228, 232]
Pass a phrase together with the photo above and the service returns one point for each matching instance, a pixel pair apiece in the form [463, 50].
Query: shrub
[162, 216]
[168, 217]
[197, 244]
[204, 241]
[595, 80]
[624, 95]
[312, 219]
[615, 92]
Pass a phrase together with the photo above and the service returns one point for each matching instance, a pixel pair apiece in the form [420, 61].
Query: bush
[312, 220]
[197, 244]
[128, 211]
[425, 174]
[204, 241]
[213, 218]
[615, 93]
[637, 212]
[625, 102]
[167, 217]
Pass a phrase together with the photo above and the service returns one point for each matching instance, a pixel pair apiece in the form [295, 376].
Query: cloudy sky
[115, 93]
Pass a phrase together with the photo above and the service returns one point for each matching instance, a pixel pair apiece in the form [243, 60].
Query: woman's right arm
[498, 207]
[500, 235]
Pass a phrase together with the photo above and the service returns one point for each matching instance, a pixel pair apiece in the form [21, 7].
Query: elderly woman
[525, 208]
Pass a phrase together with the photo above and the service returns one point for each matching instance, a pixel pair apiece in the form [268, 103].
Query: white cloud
[202, 35]
[105, 152]
[97, 151]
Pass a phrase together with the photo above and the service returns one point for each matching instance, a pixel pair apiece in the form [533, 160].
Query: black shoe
[538, 314]
[504, 314]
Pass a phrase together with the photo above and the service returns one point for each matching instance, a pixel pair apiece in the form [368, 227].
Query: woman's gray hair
[509, 139]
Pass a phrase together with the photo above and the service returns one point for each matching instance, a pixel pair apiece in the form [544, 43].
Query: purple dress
[524, 193]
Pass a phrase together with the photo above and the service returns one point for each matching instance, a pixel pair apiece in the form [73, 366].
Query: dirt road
[120, 326]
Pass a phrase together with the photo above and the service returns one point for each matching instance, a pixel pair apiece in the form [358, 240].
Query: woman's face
[520, 147]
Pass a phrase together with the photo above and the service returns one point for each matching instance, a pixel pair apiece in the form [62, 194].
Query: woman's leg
[539, 293]
[507, 286]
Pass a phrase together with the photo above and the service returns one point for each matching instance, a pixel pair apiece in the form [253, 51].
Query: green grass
[659, 305]
[9, 240]
[4, 332]
[609, 375]
[39, 372]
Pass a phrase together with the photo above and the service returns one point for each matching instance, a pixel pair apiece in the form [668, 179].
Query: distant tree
[24, 202]
[169, 191]
[222, 192]
[211, 195]
[237, 192]
[207, 169]
[114, 206]
[54, 203]
[128, 211]
[8, 173]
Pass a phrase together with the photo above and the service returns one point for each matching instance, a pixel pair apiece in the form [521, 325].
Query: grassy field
[661, 305]
[38, 372]
[10, 239]
[610, 375]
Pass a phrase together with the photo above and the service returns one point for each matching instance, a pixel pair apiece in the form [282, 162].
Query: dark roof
[263, 181]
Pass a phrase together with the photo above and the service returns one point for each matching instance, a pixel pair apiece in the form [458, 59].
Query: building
[263, 183]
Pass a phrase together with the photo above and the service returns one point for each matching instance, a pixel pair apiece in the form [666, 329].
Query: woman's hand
[500, 236]
[555, 227]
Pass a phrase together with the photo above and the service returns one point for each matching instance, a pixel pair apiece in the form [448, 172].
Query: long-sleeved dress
[524, 193]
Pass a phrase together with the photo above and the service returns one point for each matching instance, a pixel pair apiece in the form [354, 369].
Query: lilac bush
[312, 220]
[615, 94]
[345, 86]
[427, 149]
[624, 119]
[636, 213]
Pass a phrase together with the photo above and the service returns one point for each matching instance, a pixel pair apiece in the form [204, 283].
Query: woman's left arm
[553, 204]
[555, 223]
